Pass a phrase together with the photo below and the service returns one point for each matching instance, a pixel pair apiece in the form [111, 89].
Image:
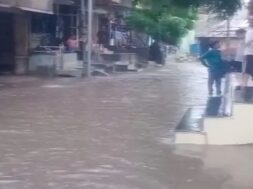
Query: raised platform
[236, 130]
[193, 119]
[226, 121]
[211, 126]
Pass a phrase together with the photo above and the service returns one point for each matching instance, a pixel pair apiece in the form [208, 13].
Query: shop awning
[123, 3]
[44, 6]
[100, 10]
[7, 3]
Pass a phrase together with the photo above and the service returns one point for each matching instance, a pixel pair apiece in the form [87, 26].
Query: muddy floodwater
[111, 133]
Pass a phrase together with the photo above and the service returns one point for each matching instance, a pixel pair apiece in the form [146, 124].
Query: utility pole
[83, 36]
[90, 18]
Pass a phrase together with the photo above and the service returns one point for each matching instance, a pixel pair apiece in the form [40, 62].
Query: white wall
[188, 40]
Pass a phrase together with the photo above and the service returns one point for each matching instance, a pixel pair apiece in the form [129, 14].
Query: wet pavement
[111, 133]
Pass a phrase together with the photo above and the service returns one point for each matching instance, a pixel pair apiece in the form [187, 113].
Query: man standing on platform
[212, 59]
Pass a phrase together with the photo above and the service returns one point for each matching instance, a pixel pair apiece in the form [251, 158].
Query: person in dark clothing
[155, 53]
[212, 59]
[102, 37]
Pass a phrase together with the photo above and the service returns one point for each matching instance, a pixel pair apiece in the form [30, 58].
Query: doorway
[7, 63]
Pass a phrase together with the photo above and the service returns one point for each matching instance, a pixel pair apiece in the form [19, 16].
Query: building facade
[27, 24]
[15, 29]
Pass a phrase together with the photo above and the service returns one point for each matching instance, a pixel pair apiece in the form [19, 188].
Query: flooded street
[111, 133]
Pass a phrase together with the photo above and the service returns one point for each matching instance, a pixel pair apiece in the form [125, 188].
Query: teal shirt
[213, 59]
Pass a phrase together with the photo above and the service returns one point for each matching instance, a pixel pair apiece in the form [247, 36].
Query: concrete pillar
[21, 38]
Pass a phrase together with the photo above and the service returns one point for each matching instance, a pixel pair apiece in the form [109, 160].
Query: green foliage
[166, 24]
[170, 20]
[223, 8]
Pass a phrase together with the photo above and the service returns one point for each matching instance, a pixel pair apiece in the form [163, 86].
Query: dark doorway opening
[7, 60]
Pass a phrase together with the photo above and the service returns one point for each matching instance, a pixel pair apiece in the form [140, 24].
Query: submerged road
[111, 133]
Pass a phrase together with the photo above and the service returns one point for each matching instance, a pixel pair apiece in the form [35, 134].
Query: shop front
[52, 39]
[15, 30]
[7, 42]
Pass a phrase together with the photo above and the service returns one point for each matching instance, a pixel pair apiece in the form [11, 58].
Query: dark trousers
[214, 78]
